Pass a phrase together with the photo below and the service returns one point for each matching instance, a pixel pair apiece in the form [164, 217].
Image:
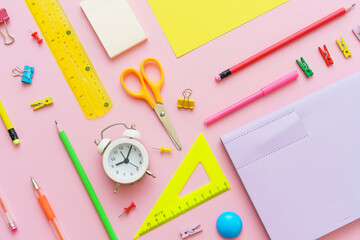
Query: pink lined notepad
[301, 165]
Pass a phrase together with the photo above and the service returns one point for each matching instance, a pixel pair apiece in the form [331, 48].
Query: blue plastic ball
[229, 225]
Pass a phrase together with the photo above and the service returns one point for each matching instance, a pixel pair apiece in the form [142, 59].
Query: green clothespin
[303, 65]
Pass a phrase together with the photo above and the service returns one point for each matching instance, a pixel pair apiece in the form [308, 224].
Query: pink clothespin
[357, 32]
[191, 231]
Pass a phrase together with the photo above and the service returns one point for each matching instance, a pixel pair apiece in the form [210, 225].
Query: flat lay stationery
[284, 42]
[262, 92]
[4, 17]
[292, 157]
[5, 118]
[190, 24]
[86, 183]
[45, 205]
[107, 15]
[169, 205]
[270, 156]
[7, 215]
[155, 103]
[71, 57]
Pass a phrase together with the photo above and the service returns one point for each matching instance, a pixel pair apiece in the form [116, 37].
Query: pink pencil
[283, 42]
[264, 91]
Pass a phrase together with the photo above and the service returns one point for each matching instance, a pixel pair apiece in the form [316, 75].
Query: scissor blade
[165, 120]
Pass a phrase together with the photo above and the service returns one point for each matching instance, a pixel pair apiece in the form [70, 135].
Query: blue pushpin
[229, 225]
[26, 74]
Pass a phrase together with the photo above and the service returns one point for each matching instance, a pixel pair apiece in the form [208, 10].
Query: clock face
[125, 161]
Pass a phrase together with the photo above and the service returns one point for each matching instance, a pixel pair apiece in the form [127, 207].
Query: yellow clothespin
[41, 103]
[186, 102]
[344, 48]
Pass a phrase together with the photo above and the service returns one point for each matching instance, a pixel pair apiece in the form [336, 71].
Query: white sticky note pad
[115, 24]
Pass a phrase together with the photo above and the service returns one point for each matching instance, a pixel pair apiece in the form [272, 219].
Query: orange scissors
[144, 94]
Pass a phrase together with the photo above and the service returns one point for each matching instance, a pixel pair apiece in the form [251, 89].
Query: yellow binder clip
[42, 103]
[344, 48]
[186, 102]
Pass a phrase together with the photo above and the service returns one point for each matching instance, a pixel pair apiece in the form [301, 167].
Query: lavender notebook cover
[301, 164]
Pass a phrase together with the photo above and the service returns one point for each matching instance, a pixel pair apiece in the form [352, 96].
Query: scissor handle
[154, 86]
[143, 93]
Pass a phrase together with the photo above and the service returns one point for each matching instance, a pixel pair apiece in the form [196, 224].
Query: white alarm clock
[125, 160]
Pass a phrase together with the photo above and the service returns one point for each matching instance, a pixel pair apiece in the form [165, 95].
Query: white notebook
[301, 164]
[115, 24]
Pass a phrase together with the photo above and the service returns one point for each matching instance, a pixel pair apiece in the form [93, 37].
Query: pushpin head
[229, 225]
[127, 210]
[162, 149]
[36, 36]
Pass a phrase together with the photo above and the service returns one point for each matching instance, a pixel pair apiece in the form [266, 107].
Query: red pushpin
[36, 36]
[127, 210]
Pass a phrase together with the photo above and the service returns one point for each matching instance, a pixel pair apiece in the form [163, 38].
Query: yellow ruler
[71, 57]
[170, 205]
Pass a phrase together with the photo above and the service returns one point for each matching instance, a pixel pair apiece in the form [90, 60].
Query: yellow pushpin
[162, 149]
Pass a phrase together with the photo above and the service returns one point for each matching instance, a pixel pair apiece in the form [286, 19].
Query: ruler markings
[71, 57]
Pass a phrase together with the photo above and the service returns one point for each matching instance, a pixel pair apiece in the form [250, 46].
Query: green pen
[86, 183]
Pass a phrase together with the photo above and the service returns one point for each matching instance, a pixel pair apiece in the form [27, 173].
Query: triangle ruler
[170, 205]
[71, 57]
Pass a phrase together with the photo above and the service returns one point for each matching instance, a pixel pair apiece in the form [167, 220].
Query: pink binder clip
[191, 231]
[3, 18]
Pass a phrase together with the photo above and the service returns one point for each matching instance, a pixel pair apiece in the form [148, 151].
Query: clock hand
[134, 165]
[126, 160]
[129, 152]
[119, 163]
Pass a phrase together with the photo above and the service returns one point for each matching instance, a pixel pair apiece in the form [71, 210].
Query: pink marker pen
[262, 92]
[5, 212]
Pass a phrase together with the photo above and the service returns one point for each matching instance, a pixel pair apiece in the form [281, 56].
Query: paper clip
[191, 231]
[326, 55]
[3, 18]
[305, 67]
[26, 74]
[186, 102]
[42, 103]
[343, 47]
[357, 32]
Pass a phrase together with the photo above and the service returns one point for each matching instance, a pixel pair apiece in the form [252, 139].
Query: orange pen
[44, 203]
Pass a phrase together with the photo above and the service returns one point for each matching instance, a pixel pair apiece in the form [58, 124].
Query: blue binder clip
[26, 74]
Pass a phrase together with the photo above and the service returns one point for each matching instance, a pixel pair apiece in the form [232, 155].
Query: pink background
[42, 155]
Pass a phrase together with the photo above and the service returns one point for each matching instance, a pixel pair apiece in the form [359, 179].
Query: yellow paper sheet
[188, 24]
